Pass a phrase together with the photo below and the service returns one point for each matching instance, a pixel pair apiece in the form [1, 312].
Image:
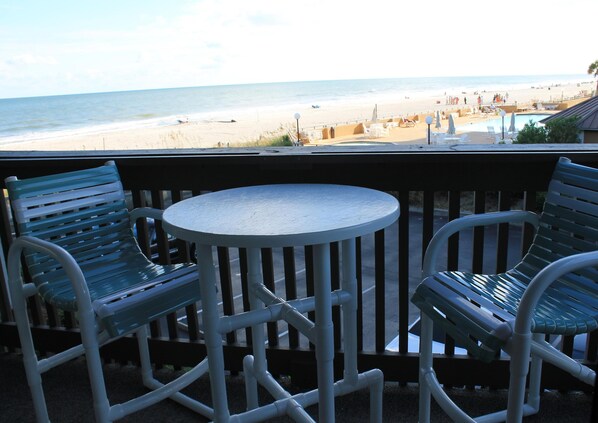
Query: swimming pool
[520, 121]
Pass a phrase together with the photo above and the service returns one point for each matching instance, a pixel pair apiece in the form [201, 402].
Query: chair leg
[519, 367]
[147, 374]
[535, 376]
[428, 383]
[91, 344]
[160, 390]
[30, 361]
[425, 366]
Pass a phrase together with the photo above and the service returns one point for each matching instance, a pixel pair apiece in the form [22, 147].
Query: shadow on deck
[72, 402]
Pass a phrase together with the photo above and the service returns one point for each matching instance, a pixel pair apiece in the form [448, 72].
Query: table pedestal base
[265, 307]
[294, 405]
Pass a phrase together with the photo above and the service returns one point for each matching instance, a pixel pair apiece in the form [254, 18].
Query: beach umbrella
[451, 128]
[375, 114]
[438, 124]
[512, 125]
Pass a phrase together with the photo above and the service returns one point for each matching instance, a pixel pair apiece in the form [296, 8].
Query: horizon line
[293, 82]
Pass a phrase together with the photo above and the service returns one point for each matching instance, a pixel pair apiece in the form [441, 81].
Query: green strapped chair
[75, 235]
[552, 291]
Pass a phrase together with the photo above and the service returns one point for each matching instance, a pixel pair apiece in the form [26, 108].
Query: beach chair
[406, 122]
[76, 243]
[552, 292]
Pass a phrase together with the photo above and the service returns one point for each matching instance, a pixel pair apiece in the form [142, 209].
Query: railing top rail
[412, 167]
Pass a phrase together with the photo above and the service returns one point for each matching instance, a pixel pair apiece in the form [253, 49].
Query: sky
[76, 46]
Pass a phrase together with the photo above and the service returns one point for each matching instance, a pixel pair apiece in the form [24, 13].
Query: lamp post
[502, 115]
[429, 120]
[297, 117]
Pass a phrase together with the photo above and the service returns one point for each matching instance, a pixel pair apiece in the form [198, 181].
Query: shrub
[563, 130]
[560, 130]
[531, 134]
[277, 141]
[281, 141]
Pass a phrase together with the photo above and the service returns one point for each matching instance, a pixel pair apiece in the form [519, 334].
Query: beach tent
[451, 125]
[375, 114]
[438, 124]
[512, 125]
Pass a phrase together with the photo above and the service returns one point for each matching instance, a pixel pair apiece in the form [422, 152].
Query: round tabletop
[281, 215]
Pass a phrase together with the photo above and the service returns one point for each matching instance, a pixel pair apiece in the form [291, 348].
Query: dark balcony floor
[69, 398]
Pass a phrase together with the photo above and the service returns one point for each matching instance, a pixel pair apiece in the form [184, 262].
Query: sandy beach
[249, 127]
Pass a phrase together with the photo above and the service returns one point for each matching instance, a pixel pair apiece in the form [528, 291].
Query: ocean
[32, 118]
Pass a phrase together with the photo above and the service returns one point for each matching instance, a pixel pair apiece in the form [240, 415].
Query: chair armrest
[543, 280]
[66, 260]
[145, 212]
[454, 226]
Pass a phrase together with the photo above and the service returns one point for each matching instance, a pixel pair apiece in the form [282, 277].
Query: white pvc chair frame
[92, 340]
[522, 342]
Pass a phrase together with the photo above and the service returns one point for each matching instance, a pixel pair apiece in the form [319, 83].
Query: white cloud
[31, 59]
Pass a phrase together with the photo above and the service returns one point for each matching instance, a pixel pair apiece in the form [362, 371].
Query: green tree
[563, 130]
[531, 134]
[593, 70]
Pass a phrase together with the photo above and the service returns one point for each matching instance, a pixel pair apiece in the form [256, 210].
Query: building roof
[587, 112]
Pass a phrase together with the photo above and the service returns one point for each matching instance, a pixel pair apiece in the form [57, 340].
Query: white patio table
[285, 215]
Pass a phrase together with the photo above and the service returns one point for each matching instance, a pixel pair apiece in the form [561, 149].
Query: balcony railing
[431, 185]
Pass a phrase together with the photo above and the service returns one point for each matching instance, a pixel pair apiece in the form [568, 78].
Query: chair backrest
[82, 211]
[568, 224]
